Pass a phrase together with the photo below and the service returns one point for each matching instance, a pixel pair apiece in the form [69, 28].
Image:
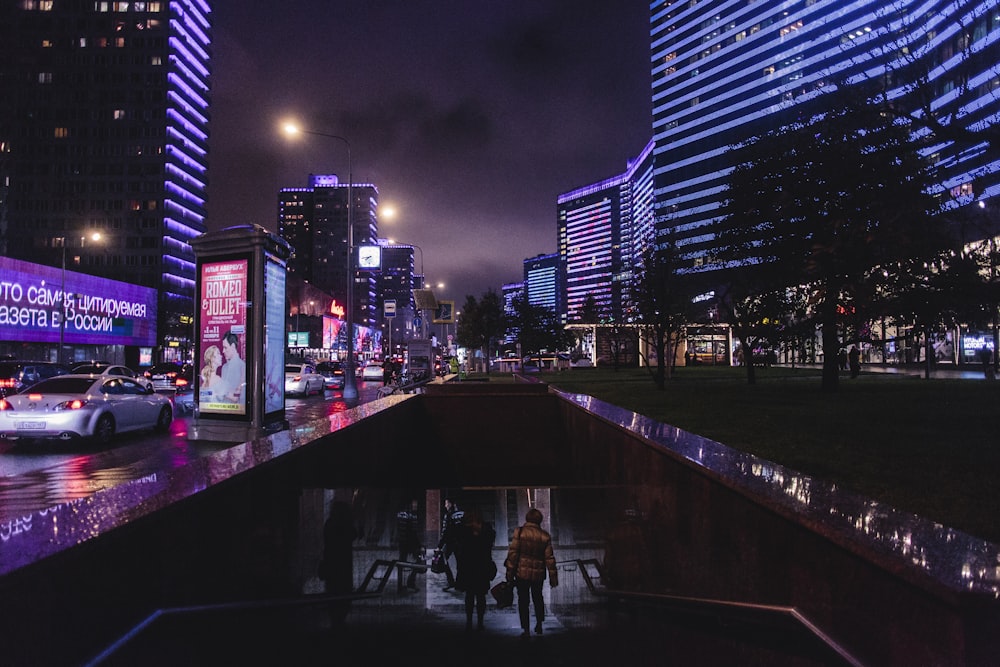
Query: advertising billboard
[223, 332]
[274, 330]
[98, 311]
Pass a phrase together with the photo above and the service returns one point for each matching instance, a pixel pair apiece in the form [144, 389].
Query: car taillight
[297, 378]
[74, 404]
[181, 382]
[5, 405]
[7, 383]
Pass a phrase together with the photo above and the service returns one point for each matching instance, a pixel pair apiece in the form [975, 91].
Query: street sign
[417, 322]
[389, 308]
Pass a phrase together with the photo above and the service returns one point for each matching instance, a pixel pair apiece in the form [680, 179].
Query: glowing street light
[350, 382]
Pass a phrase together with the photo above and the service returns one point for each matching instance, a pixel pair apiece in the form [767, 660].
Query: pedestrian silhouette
[410, 544]
[476, 569]
[336, 568]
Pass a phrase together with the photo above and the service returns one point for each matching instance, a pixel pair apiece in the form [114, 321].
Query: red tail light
[6, 383]
[4, 405]
[74, 404]
[181, 382]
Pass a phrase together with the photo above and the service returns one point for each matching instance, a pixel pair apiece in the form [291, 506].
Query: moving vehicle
[170, 376]
[303, 379]
[332, 372]
[84, 406]
[17, 375]
[101, 368]
[372, 371]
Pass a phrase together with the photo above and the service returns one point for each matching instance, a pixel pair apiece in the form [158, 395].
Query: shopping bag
[503, 593]
[437, 562]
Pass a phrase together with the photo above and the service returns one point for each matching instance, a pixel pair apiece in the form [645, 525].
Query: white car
[99, 369]
[303, 379]
[373, 371]
[84, 406]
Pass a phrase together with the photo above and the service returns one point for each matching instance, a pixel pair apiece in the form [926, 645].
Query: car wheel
[105, 429]
[166, 416]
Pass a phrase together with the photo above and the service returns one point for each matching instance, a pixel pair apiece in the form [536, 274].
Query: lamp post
[350, 382]
[96, 236]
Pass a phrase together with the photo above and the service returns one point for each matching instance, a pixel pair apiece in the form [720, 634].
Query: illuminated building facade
[314, 222]
[104, 128]
[511, 292]
[542, 282]
[725, 71]
[604, 228]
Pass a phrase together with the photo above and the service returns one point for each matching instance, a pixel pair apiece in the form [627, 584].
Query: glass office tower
[723, 71]
[104, 128]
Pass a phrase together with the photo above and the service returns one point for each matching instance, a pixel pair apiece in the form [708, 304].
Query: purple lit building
[104, 128]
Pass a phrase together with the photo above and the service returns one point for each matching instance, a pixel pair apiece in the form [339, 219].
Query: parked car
[100, 368]
[372, 371]
[17, 375]
[303, 379]
[184, 400]
[169, 375]
[84, 406]
[332, 372]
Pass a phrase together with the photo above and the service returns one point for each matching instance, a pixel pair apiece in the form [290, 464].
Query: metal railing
[591, 571]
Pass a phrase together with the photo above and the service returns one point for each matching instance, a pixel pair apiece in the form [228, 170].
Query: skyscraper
[104, 127]
[542, 282]
[314, 221]
[725, 71]
[604, 228]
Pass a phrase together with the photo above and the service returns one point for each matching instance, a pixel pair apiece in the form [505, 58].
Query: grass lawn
[926, 446]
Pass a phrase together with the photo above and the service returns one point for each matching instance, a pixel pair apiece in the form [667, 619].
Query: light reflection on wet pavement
[35, 475]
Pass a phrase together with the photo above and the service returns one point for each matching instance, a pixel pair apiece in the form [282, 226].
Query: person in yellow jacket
[529, 558]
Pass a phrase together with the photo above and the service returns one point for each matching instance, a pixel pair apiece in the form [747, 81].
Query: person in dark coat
[529, 557]
[451, 521]
[337, 567]
[410, 544]
[476, 569]
[854, 357]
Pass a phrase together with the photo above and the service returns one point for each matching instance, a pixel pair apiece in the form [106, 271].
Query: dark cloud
[471, 117]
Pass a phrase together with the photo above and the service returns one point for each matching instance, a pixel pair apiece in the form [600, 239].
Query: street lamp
[95, 236]
[350, 383]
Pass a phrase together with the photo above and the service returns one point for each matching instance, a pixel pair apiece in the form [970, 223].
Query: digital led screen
[98, 311]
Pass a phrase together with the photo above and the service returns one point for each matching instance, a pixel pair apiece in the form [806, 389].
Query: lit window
[45, 77]
[61, 132]
[119, 114]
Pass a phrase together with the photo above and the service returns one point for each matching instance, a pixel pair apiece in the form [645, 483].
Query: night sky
[470, 116]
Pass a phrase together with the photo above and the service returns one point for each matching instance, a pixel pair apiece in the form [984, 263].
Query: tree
[663, 305]
[481, 324]
[824, 202]
[538, 328]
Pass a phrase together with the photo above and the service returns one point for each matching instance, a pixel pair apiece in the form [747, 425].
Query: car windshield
[89, 368]
[63, 385]
[293, 369]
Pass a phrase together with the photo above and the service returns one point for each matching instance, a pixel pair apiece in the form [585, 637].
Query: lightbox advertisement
[223, 330]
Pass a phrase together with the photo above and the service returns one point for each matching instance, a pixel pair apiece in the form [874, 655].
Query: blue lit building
[511, 292]
[542, 282]
[724, 71]
[104, 127]
[604, 228]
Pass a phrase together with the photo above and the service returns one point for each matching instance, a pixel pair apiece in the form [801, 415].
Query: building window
[45, 77]
[61, 133]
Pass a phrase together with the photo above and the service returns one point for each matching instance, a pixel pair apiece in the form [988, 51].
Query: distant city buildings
[104, 127]
[543, 283]
[313, 220]
[603, 230]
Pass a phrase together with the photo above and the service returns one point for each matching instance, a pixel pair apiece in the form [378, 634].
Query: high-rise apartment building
[604, 228]
[725, 71]
[314, 222]
[542, 282]
[104, 128]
